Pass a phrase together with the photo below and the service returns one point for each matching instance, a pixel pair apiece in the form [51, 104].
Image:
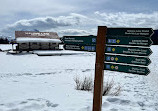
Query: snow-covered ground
[29, 82]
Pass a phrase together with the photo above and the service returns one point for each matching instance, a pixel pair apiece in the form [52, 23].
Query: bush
[85, 84]
[110, 89]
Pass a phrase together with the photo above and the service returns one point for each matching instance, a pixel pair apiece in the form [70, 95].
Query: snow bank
[26, 40]
[56, 52]
[6, 47]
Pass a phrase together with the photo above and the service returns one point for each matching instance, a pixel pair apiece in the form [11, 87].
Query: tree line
[4, 41]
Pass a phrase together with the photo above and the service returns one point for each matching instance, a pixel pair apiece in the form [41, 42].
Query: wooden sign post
[120, 36]
[99, 68]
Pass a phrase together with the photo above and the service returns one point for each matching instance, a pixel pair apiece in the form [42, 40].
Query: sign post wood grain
[99, 68]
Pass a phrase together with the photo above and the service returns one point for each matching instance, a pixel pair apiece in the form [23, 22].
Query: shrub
[107, 87]
[85, 84]
[111, 89]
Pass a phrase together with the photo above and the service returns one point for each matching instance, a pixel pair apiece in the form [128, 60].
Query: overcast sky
[75, 17]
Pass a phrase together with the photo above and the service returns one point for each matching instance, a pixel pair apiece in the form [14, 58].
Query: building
[28, 40]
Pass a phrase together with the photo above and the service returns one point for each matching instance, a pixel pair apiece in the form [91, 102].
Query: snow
[26, 40]
[7, 47]
[56, 52]
[29, 82]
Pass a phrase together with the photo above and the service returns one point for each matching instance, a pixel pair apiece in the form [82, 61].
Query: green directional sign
[127, 59]
[127, 68]
[80, 47]
[128, 50]
[88, 40]
[111, 40]
[143, 32]
[134, 41]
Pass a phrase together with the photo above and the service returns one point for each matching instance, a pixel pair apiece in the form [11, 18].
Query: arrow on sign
[127, 68]
[135, 41]
[127, 59]
[143, 32]
[128, 50]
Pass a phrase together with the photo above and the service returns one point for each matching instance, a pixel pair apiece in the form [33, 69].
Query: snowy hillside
[29, 82]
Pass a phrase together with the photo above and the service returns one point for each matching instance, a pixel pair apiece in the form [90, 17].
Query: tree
[4, 41]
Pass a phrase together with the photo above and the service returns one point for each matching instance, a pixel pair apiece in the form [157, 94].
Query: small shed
[28, 40]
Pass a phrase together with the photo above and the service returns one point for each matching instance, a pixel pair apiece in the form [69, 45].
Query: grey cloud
[123, 19]
[38, 7]
[74, 32]
[44, 23]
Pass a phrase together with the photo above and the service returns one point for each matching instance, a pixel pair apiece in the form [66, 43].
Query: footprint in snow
[105, 104]
[113, 109]
[118, 101]
[29, 105]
